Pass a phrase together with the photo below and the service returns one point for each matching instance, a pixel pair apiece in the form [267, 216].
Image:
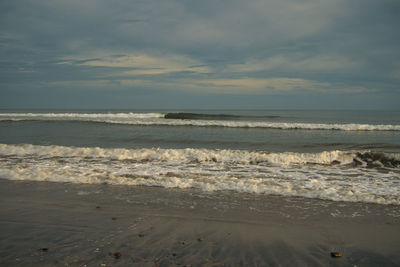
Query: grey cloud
[350, 42]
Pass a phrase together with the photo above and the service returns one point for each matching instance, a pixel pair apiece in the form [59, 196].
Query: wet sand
[56, 224]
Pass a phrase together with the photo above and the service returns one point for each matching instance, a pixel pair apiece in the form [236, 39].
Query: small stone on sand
[44, 249]
[336, 254]
[117, 255]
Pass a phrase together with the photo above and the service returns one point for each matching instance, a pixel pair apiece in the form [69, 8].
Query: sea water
[335, 155]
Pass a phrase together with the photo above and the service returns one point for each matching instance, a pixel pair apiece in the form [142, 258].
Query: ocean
[350, 156]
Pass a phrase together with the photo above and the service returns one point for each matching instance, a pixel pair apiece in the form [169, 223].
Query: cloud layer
[171, 48]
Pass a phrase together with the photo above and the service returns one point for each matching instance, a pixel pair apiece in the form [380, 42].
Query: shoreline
[85, 225]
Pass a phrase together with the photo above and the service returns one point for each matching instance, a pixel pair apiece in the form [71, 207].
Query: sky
[209, 54]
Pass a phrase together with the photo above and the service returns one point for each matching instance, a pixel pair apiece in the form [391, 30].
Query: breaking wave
[193, 119]
[335, 175]
[206, 116]
[198, 116]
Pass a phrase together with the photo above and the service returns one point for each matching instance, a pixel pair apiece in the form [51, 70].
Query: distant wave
[204, 116]
[199, 116]
[80, 116]
[361, 176]
[192, 119]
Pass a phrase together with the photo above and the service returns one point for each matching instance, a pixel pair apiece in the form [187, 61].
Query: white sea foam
[327, 175]
[159, 119]
[80, 116]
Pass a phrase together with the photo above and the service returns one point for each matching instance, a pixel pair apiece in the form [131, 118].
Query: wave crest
[328, 175]
[191, 119]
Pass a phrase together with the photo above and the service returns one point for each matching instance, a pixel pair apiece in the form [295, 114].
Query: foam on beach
[335, 175]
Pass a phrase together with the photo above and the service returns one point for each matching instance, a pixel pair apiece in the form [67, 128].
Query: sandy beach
[55, 224]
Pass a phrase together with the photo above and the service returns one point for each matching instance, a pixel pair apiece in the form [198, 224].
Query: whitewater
[334, 175]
